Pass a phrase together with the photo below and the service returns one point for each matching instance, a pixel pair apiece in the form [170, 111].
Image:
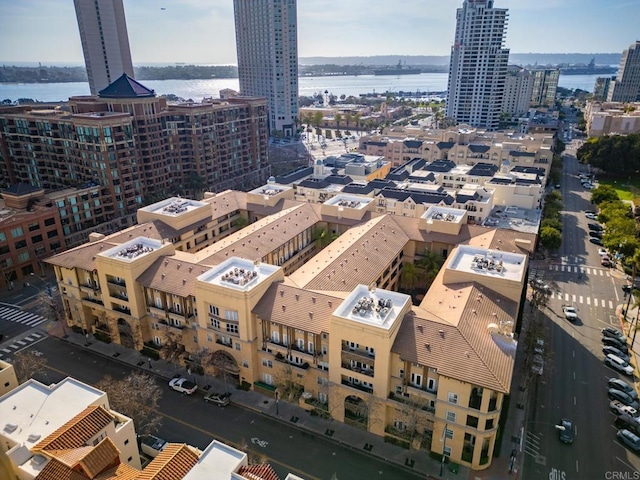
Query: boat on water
[590, 69]
[398, 70]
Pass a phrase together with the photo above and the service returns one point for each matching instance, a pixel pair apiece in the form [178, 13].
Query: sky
[202, 31]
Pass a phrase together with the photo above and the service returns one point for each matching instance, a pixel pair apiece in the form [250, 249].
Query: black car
[565, 431]
[595, 241]
[623, 398]
[595, 227]
[613, 332]
[623, 386]
[627, 288]
[627, 421]
[629, 439]
[598, 234]
[608, 349]
[615, 342]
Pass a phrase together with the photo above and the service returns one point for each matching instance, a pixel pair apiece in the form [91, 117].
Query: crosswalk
[577, 269]
[20, 344]
[574, 299]
[20, 316]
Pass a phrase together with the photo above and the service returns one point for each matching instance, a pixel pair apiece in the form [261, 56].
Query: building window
[453, 398]
[448, 433]
[451, 417]
[446, 451]
[431, 384]
[489, 424]
[245, 364]
[126, 442]
[267, 363]
[268, 379]
[215, 323]
[209, 337]
[213, 310]
[402, 373]
[16, 232]
[416, 380]
[275, 337]
[237, 346]
[472, 421]
[231, 315]
[232, 328]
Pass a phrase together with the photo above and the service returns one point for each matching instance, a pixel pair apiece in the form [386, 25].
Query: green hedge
[397, 442]
[150, 352]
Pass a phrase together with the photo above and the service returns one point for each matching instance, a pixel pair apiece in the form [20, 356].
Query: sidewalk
[285, 412]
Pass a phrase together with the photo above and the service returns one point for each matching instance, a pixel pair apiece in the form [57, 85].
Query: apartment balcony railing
[222, 342]
[177, 327]
[281, 358]
[397, 397]
[93, 300]
[119, 296]
[360, 355]
[113, 281]
[357, 386]
[365, 371]
[121, 309]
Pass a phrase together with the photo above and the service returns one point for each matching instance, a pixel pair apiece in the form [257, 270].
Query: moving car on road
[620, 365]
[565, 431]
[182, 385]
[570, 313]
[217, 398]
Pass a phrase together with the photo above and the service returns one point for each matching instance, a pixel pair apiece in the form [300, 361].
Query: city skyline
[202, 31]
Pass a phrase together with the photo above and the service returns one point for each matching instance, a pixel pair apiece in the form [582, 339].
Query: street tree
[603, 193]
[135, 396]
[287, 386]
[550, 238]
[27, 363]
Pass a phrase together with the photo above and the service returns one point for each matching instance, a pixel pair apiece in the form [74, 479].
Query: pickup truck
[620, 408]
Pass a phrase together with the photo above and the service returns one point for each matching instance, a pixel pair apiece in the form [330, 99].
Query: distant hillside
[515, 58]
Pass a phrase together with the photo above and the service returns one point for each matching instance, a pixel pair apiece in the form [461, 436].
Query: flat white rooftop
[372, 306]
[173, 207]
[444, 214]
[491, 263]
[270, 190]
[217, 462]
[133, 249]
[349, 201]
[34, 409]
[238, 274]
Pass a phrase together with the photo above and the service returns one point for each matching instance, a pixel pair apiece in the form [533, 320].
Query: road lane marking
[575, 401]
[574, 375]
[610, 304]
[577, 469]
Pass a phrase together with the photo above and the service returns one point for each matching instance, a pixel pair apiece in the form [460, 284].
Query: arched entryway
[225, 367]
[126, 333]
[356, 412]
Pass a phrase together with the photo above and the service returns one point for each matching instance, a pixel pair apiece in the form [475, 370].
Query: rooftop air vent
[10, 427]
[34, 437]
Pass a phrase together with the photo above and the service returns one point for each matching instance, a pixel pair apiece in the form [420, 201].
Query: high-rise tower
[626, 87]
[267, 45]
[478, 65]
[105, 43]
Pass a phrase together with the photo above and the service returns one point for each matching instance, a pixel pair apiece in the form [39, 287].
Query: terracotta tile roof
[76, 431]
[56, 470]
[89, 460]
[262, 237]
[172, 463]
[120, 472]
[172, 275]
[449, 332]
[296, 307]
[259, 472]
[226, 202]
[83, 256]
[358, 256]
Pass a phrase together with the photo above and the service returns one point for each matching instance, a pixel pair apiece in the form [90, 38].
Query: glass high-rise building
[626, 87]
[267, 46]
[105, 42]
[478, 65]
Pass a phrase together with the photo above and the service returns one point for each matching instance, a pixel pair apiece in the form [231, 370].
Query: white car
[570, 313]
[602, 252]
[591, 216]
[618, 364]
[182, 385]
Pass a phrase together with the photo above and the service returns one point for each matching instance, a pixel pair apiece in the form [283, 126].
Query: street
[191, 420]
[575, 383]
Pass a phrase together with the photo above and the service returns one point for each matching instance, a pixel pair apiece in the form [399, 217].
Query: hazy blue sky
[202, 31]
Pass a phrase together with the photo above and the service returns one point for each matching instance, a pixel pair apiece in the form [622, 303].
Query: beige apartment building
[263, 300]
[463, 145]
[612, 118]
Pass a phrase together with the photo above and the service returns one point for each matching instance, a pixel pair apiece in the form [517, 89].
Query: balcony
[121, 309]
[358, 352]
[281, 358]
[222, 342]
[172, 325]
[93, 300]
[406, 400]
[118, 282]
[119, 296]
[364, 371]
[357, 386]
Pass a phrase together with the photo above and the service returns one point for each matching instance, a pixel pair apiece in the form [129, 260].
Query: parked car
[570, 313]
[629, 422]
[591, 216]
[595, 241]
[607, 349]
[182, 385]
[603, 252]
[589, 212]
[598, 234]
[595, 227]
[623, 398]
[565, 431]
[616, 342]
[629, 439]
[620, 365]
[538, 364]
[605, 261]
[620, 408]
[623, 387]
[217, 398]
[151, 445]
[539, 346]
[628, 288]
[614, 333]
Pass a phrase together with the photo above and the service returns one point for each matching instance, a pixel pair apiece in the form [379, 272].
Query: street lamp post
[444, 447]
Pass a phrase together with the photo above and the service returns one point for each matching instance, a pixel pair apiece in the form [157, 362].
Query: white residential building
[267, 46]
[478, 65]
[517, 90]
[105, 43]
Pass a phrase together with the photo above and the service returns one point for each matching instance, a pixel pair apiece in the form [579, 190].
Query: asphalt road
[189, 419]
[575, 383]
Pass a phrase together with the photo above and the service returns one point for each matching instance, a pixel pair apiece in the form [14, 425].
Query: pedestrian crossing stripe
[584, 270]
[20, 316]
[580, 299]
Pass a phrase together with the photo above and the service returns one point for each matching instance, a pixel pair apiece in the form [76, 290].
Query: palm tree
[348, 118]
[357, 118]
[317, 119]
[409, 277]
[338, 118]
